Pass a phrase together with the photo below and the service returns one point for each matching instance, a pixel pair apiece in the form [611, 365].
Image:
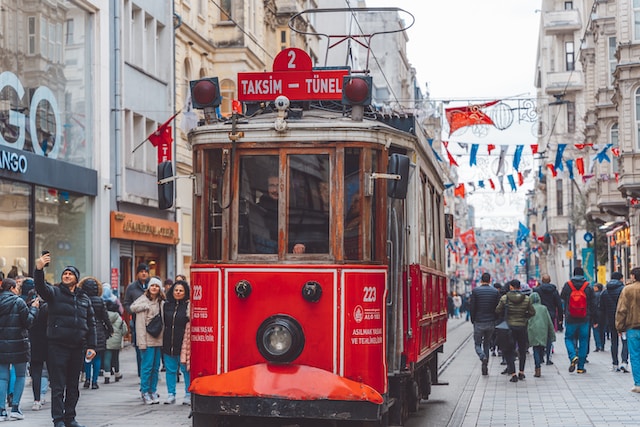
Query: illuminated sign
[294, 77]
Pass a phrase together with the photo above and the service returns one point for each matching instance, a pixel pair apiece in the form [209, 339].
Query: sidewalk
[558, 398]
[114, 405]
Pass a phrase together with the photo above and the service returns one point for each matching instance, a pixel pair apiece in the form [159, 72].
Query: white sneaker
[624, 368]
[614, 368]
[187, 400]
[3, 415]
[171, 398]
[16, 414]
[37, 405]
[148, 400]
[155, 398]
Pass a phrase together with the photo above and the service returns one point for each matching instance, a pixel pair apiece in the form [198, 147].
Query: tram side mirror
[165, 185]
[398, 165]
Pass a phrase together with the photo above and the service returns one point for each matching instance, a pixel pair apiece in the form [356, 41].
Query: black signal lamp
[356, 90]
[205, 92]
[165, 185]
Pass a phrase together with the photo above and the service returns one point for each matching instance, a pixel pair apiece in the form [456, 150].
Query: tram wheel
[413, 396]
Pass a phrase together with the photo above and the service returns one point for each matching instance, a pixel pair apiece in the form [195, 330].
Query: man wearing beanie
[71, 328]
[133, 292]
[577, 325]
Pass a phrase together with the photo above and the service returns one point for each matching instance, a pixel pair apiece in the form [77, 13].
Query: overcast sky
[469, 50]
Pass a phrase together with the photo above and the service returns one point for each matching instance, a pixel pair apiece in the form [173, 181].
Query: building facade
[588, 87]
[54, 158]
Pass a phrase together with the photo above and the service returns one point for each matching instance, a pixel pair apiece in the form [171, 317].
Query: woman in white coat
[146, 307]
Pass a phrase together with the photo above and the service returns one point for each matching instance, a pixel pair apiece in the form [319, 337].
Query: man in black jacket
[484, 300]
[608, 304]
[71, 328]
[132, 293]
[550, 298]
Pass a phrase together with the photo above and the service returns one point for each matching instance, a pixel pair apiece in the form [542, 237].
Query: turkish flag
[162, 139]
[459, 117]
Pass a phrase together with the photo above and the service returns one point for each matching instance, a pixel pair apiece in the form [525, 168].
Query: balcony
[563, 82]
[561, 22]
[558, 226]
[629, 181]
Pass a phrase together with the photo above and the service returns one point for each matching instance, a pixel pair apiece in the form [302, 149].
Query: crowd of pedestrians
[66, 335]
[534, 316]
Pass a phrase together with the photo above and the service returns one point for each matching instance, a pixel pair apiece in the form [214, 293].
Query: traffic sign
[587, 237]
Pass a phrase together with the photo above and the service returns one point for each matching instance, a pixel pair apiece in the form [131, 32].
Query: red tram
[319, 293]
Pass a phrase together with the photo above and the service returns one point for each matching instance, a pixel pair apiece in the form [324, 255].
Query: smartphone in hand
[44, 253]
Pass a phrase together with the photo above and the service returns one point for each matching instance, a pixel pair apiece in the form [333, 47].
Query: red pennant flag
[459, 117]
[162, 139]
[615, 151]
[452, 161]
[534, 149]
[459, 190]
[490, 147]
[493, 186]
[520, 179]
[552, 169]
[581, 146]
[617, 175]
[580, 165]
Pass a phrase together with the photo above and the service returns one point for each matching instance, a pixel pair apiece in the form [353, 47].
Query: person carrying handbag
[146, 307]
[517, 317]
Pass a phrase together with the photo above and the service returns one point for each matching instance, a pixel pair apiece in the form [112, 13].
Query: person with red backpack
[579, 313]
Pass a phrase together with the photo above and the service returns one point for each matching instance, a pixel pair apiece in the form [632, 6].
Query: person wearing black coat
[176, 317]
[93, 288]
[71, 328]
[608, 304]
[482, 309]
[15, 318]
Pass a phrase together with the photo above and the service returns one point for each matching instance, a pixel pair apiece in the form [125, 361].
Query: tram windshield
[295, 198]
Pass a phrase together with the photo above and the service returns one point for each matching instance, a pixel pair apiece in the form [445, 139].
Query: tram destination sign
[294, 77]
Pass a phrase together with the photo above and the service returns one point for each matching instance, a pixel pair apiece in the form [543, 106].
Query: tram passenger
[268, 202]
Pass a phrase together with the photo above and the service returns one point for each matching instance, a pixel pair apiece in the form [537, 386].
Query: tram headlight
[280, 339]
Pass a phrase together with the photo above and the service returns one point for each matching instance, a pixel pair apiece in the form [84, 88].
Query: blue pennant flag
[512, 182]
[570, 167]
[602, 155]
[558, 164]
[473, 155]
[481, 184]
[430, 141]
[517, 156]
[523, 233]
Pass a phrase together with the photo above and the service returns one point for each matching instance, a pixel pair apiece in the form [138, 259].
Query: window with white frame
[570, 58]
[612, 58]
[31, 35]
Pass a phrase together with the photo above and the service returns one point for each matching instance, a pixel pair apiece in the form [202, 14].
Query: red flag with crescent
[459, 117]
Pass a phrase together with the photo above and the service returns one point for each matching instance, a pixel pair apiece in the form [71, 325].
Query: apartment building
[588, 92]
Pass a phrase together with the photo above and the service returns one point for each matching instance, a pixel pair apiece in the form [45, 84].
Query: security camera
[108, 186]
[282, 103]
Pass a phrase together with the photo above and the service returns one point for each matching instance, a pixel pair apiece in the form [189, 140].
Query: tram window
[423, 212]
[258, 206]
[308, 203]
[353, 205]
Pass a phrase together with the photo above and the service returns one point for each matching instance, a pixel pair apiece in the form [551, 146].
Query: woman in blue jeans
[146, 307]
[176, 317]
[15, 319]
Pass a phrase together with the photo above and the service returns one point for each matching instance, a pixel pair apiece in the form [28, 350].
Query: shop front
[48, 181]
[142, 239]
